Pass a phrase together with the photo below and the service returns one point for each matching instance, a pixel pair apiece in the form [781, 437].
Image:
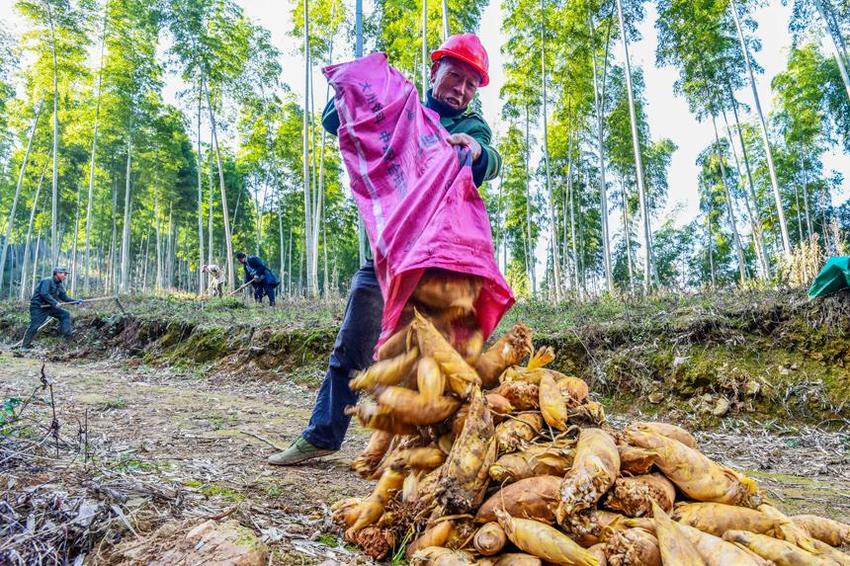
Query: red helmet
[466, 47]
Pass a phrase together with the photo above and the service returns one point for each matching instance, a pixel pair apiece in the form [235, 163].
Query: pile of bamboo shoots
[481, 460]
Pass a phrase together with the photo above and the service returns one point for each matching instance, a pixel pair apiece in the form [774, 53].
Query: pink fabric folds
[417, 199]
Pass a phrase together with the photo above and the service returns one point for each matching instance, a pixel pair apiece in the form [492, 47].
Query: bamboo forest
[135, 193]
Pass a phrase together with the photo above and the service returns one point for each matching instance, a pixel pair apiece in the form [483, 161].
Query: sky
[668, 114]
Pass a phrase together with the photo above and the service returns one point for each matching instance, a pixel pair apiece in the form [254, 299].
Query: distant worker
[261, 277]
[45, 303]
[216, 284]
[458, 68]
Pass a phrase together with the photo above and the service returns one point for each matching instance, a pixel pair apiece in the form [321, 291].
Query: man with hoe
[261, 277]
[216, 284]
[459, 67]
[45, 303]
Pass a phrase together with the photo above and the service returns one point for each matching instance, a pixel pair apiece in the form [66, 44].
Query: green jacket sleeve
[490, 163]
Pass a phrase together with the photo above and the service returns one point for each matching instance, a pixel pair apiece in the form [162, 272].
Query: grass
[626, 348]
[328, 539]
[221, 421]
[127, 463]
[114, 404]
[274, 487]
[214, 490]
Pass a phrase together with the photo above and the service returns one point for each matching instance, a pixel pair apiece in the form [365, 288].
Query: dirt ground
[182, 429]
[187, 431]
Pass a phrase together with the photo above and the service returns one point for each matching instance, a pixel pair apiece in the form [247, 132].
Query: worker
[262, 279]
[458, 68]
[216, 284]
[45, 303]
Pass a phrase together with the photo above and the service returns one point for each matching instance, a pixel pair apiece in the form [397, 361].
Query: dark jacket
[254, 266]
[49, 291]
[455, 122]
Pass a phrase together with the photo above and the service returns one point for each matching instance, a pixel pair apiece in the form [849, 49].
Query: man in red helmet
[458, 69]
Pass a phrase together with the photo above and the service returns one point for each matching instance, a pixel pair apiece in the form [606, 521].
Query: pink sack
[414, 191]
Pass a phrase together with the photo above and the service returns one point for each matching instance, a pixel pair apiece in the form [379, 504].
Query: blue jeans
[361, 327]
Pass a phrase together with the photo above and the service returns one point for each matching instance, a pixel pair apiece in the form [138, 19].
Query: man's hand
[468, 141]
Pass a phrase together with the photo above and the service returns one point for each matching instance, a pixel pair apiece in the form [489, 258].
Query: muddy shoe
[298, 452]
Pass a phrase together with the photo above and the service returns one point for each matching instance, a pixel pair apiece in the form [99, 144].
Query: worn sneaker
[298, 452]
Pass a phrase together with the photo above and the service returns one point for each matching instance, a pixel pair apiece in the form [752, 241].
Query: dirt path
[185, 430]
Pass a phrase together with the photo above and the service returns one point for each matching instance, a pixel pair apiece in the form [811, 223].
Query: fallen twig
[267, 441]
[223, 514]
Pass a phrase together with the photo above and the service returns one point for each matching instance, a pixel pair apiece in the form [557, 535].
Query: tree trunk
[445, 13]
[145, 265]
[228, 242]
[742, 266]
[710, 250]
[158, 230]
[74, 245]
[499, 236]
[54, 215]
[308, 201]
[799, 216]
[556, 268]
[783, 226]
[567, 217]
[289, 263]
[755, 223]
[89, 201]
[358, 52]
[35, 263]
[836, 29]
[809, 228]
[644, 207]
[603, 189]
[318, 215]
[301, 282]
[236, 208]
[13, 209]
[529, 250]
[13, 263]
[581, 267]
[123, 285]
[169, 249]
[201, 285]
[23, 293]
[280, 236]
[210, 210]
[750, 183]
[573, 235]
[627, 237]
[315, 207]
[424, 50]
[826, 239]
[112, 251]
[325, 282]
[258, 229]
[839, 49]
